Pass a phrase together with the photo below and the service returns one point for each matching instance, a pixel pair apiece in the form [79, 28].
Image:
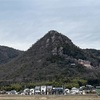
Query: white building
[66, 91]
[74, 90]
[37, 90]
[26, 91]
[13, 92]
[43, 89]
[32, 91]
[49, 90]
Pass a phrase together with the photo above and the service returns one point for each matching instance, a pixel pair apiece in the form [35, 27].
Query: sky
[23, 22]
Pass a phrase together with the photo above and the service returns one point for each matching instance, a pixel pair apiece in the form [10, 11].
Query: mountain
[7, 54]
[53, 57]
[95, 52]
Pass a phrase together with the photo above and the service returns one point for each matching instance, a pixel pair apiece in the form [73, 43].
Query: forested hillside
[53, 58]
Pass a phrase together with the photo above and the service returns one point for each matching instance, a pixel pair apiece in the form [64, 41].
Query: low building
[66, 91]
[37, 90]
[32, 91]
[43, 89]
[12, 92]
[89, 88]
[74, 90]
[98, 90]
[49, 90]
[26, 91]
[58, 91]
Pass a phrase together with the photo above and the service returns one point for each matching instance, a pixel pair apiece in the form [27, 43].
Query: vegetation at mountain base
[68, 83]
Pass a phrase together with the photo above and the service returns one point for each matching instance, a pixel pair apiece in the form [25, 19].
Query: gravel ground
[18, 97]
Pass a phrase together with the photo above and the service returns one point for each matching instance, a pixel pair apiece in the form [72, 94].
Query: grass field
[15, 97]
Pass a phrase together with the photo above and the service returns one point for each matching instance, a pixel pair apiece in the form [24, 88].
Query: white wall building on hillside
[85, 63]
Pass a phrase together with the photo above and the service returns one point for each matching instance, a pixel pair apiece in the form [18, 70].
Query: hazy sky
[23, 22]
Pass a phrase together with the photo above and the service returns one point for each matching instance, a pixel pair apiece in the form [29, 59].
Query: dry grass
[15, 97]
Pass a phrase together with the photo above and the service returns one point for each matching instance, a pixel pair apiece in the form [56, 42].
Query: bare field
[54, 97]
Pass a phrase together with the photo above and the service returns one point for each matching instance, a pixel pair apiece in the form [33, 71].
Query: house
[3, 92]
[58, 90]
[49, 90]
[98, 90]
[74, 90]
[12, 92]
[26, 91]
[43, 89]
[21, 92]
[32, 91]
[66, 91]
[37, 90]
[82, 90]
[89, 88]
